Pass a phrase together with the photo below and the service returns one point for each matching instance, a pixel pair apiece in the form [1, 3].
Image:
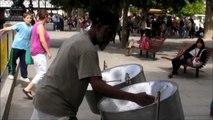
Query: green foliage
[191, 9]
[86, 4]
[133, 9]
[182, 7]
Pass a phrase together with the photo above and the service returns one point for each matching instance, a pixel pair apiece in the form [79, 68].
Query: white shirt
[194, 52]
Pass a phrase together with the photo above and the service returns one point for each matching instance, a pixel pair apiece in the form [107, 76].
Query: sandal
[28, 94]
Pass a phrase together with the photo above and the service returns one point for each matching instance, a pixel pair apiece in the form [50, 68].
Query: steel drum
[118, 77]
[170, 103]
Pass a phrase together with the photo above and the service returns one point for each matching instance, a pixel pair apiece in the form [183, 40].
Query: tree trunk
[69, 11]
[124, 33]
[73, 12]
[80, 13]
[208, 26]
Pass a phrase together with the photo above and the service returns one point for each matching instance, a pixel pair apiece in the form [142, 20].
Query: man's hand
[144, 99]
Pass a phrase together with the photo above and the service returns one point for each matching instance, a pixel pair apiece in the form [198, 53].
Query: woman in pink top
[143, 42]
[39, 51]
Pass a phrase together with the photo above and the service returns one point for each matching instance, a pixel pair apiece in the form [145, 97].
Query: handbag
[196, 63]
[28, 57]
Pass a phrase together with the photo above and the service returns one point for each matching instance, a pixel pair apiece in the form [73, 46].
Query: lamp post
[31, 7]
[45, 4]
[38, 6]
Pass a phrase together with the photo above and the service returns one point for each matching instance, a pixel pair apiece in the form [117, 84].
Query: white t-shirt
[194, 52]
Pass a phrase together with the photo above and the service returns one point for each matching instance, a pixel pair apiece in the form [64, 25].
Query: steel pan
[118, 77]
[170, 103]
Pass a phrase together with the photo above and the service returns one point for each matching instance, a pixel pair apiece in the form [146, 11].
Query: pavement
[195, 93]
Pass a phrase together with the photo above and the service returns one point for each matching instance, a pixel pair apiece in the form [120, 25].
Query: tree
[124, 33]
[191, 9]
[173, 5]
[117, 6]
[208, 26]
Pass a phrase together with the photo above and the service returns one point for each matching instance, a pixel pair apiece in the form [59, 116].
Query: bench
[154, 46]
[187, 45]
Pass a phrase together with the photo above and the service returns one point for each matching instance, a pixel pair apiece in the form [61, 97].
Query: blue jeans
[181, 32]
[54, 25]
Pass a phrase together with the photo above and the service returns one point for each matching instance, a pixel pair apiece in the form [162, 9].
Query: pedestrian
[142, 43]
[191, 28]
[61, 23]
[39, 51]
[181, 28]
[20, 44]
[69, 22]
[195, 55]
[62, 90]
[58, 27]
[54, 19]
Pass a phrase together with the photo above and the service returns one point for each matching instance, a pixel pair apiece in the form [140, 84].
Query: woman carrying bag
[39, 51]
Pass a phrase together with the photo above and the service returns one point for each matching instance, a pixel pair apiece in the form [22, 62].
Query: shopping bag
[145, 43]
[196, 63]
[28, 57]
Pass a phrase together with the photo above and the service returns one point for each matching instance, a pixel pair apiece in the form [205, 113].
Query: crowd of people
[183, 27]
[166, 26]
[58, 22]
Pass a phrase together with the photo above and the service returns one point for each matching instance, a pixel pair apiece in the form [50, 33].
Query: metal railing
[5, 47]
[7, 86]
[43, 4]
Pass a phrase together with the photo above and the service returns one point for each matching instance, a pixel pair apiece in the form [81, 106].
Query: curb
[7, 89]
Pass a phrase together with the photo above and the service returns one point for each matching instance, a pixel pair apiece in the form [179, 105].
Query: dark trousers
[181, 32]
[54, 25]
[177, 62]
[14, 55]
[73, 118]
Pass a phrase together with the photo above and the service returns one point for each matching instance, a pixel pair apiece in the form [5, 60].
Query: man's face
[105, 35]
